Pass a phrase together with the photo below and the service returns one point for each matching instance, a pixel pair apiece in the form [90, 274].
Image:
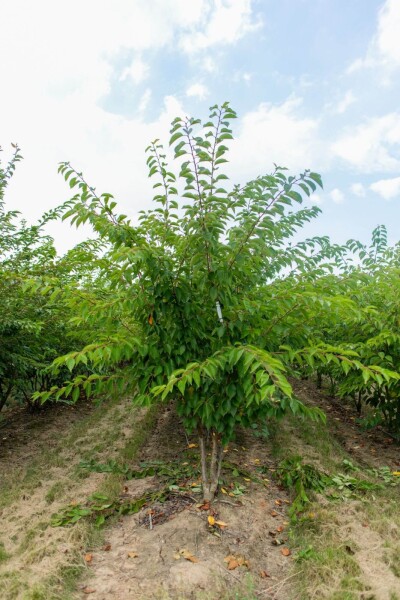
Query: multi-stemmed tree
[204, 300]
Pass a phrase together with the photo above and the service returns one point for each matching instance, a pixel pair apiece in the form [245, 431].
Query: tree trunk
[210, 470]
[4, 394]
[319, 380]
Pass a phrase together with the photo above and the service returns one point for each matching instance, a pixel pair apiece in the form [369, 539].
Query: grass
[3, 554]
[56, 468]
[327, 563]
[219, 591]
[326, 557]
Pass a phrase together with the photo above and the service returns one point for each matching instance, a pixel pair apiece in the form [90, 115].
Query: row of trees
[35, 327]
[207, 300]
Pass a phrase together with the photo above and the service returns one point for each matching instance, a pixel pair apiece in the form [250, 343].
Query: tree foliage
[34, 327]
[207, 299]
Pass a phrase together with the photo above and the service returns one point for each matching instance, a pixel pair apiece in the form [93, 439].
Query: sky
[315, 83]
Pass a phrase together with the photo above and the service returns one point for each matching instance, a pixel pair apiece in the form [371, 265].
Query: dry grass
[38, 562]
[348, 549]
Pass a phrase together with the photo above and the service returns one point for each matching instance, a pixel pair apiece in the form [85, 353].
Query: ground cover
[344, 546]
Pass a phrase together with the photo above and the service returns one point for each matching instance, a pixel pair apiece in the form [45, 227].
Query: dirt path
[140, 563]
[39, 475]
[373, 448]
[370, 530]
[177, 554]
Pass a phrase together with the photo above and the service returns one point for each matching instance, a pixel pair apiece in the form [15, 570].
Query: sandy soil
[256, 521]
[375, 449]
[180, 556]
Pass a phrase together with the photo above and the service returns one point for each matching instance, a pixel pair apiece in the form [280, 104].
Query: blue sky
[316, 84]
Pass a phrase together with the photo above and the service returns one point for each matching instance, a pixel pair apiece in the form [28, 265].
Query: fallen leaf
[215, 532]
[192, 445]
[205, 506]
[229, 558]
[133, 554]
[88, 558]
[285, 552]
[280, 528]
[278, 502]
[106, 547]
[235, 561]
[188, 556]
[246, 479]
[88, 590]
[277, 542]
[211, 521]
[396, 473]
[273, 513]
[223, 490]
[264, 574]
[221, 524]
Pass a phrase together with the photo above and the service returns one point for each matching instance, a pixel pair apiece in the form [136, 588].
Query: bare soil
[139, 563]
[371, 536]
[374, 448]
[173, 552]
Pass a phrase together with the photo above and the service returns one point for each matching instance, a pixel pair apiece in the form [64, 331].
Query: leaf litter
[193, 542]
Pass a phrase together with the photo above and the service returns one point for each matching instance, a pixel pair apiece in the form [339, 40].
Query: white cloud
[138, 71]
[336, 196]
[241, 76]
[384, 49]
[348, 99]
[56, 68]
[373, 145]
[225, 23]
[144, 101]
[209, 64]
[358, 189]
[317, 199]
[388, 40]
[387, 188]
[198, 90]
[275, 134]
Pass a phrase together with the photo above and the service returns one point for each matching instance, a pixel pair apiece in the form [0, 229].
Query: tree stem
[210, 473]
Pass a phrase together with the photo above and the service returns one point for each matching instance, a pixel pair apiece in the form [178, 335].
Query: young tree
[34, 329]
[198, 298]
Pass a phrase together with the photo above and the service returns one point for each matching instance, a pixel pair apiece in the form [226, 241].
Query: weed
[303, 479]
[3, 554]
[59, 581]
[56, 491]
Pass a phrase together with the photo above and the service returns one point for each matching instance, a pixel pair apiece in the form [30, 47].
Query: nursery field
[194, 404]
[346, 544]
